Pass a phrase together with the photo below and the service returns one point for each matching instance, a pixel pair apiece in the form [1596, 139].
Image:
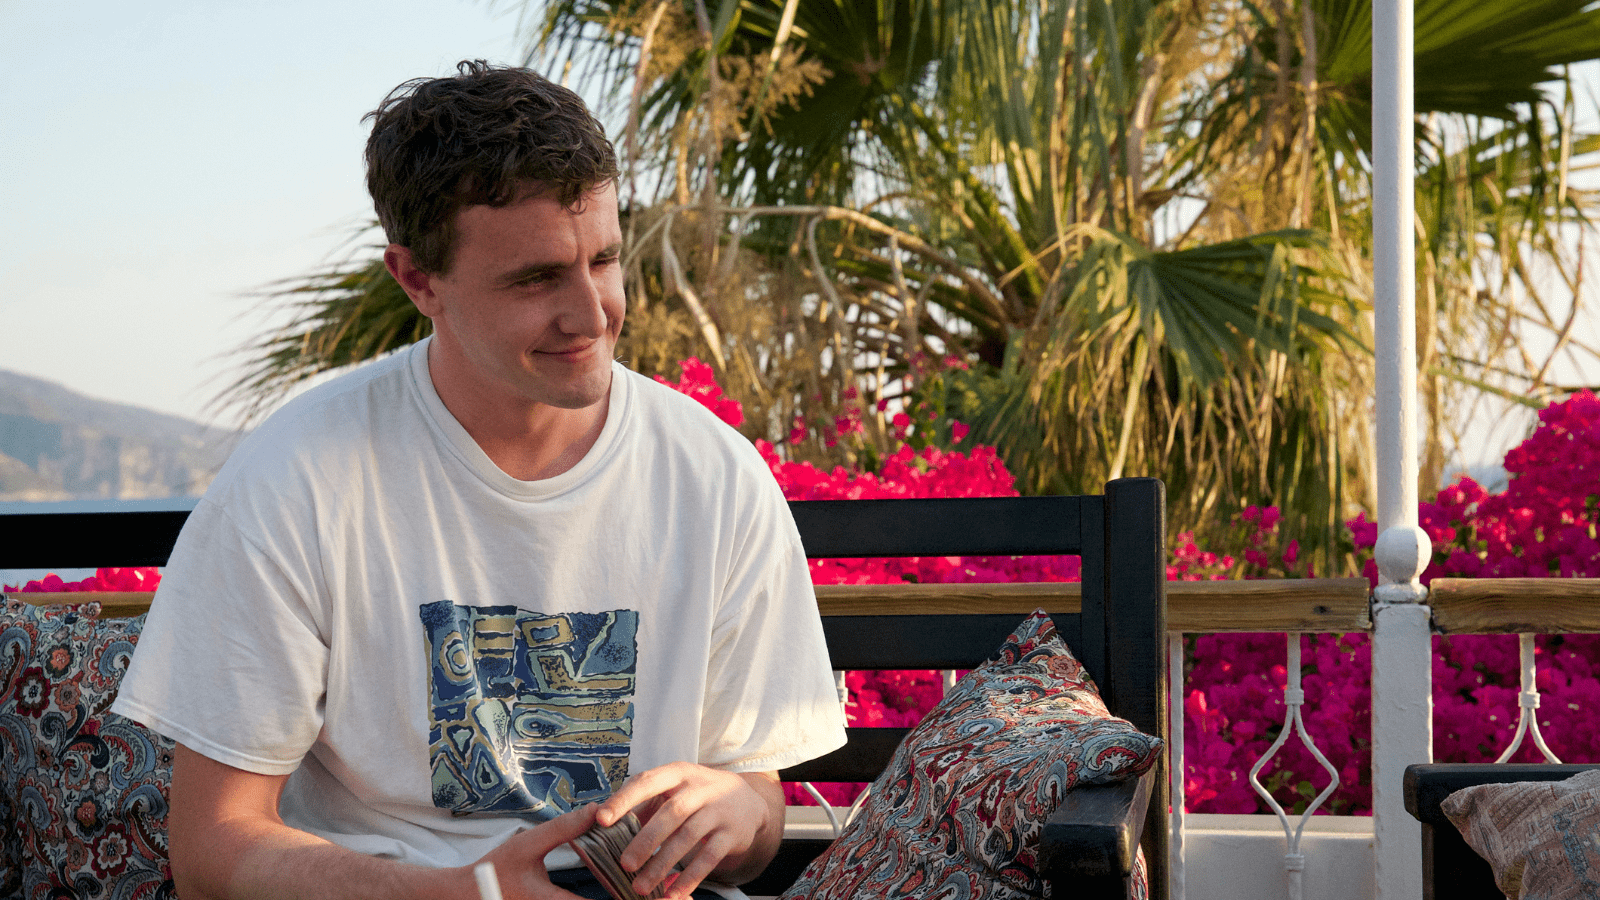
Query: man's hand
[519, 862]
[706, 820]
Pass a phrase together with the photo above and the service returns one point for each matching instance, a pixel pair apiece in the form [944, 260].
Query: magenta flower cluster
[1542, 525]
[142, 578]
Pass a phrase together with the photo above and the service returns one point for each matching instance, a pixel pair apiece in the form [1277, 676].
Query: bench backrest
[1119, 632]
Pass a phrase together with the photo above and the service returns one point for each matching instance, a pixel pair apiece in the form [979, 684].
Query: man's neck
[528, 441]
[542, 448]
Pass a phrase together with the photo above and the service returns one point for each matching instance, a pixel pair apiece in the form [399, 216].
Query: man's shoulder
[674, 419]
[340, 417]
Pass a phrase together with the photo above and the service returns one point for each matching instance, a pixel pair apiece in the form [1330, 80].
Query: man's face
[532, 305]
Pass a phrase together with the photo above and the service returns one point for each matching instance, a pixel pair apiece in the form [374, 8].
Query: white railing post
[1402, 654]
[1175, 771]
[1402, 732]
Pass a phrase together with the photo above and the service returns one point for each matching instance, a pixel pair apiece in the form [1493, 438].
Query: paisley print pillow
[958, 812]
[86, 788]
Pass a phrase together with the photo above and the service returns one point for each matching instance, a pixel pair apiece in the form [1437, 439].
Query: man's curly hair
[481, 136]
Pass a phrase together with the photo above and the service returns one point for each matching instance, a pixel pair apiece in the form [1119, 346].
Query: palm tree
[1141, 222]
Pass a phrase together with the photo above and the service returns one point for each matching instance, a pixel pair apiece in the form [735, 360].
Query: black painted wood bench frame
[1119, 636]
[1450, 867]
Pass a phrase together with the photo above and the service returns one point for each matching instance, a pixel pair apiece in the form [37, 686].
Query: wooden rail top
[113, 604]
[1304, 604]
[1515, 605]
[1323, 605]
[1311, 605]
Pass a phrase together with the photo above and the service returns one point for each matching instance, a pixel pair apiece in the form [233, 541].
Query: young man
[464, 602]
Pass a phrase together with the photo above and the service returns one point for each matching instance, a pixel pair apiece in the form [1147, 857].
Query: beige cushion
[1542, 838]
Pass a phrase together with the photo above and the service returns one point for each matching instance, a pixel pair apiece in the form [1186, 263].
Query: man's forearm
[228, 843]
[256, 861]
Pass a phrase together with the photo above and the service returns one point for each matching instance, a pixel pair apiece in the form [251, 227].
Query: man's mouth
[568, 351]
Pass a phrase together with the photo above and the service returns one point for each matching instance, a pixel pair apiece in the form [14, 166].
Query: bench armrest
[1427, 784]
[1089, 844]
[1086, 848]
[1450, 867]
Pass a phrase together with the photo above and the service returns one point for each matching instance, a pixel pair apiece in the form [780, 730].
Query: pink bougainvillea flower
[699, 381]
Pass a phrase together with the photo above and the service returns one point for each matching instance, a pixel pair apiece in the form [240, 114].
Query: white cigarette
[488, 884]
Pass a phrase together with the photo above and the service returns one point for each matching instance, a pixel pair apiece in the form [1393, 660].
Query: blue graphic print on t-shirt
[531, 713]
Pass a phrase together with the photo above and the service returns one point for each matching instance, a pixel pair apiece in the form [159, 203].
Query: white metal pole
[1402, 651]
[1394, 262]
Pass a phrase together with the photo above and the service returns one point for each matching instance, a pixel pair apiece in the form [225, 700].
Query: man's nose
[584, 312]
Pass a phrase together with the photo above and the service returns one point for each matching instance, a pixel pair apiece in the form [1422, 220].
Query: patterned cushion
[958, 812]
[1538, 836]
[86, 788]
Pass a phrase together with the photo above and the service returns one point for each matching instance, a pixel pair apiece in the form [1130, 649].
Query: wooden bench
[1450, 867]
[1115, 622]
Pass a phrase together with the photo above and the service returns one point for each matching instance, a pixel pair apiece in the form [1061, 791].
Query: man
[464, 602]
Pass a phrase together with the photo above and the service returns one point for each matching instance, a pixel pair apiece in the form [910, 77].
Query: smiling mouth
[570, 351]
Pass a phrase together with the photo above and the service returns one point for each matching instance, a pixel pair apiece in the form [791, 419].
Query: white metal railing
[1401, 675]
[1293, 607]
[1294, 862]
[1401, 678]
[1525, 607]
[1294, 859]
[1175, 770]
[1527, 703]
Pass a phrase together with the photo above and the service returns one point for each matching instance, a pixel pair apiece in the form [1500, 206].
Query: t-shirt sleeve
[771, 699]
[232, 661]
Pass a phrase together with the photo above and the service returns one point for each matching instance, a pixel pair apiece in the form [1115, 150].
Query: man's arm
[227, 842]
[712, 822]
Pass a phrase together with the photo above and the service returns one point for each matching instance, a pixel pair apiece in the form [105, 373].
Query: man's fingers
[701, 819]
[698, 863]
[697, 846]
[519, 862]
[638, 790]
[655, 868]
[666, 822]
[558, 831]
[697, 870]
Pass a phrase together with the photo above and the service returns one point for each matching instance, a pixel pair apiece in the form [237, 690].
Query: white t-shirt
[441, 654]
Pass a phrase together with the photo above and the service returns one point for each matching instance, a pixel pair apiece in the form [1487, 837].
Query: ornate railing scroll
[1294, 862]
[1527, 704]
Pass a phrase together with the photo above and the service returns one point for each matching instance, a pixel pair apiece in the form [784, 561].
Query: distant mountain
[57, 444]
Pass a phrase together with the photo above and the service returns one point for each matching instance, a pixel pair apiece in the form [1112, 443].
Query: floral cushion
[86, 788]
[1538, 836]
[958, 813]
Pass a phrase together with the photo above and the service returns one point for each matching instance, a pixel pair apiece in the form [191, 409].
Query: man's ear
[417, 284]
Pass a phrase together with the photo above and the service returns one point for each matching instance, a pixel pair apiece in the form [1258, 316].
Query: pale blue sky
[161, 160]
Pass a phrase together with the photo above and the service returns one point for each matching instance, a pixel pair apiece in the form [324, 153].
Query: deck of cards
[601, 847]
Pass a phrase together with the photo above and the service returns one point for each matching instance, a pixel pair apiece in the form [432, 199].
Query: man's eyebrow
[533, 270]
